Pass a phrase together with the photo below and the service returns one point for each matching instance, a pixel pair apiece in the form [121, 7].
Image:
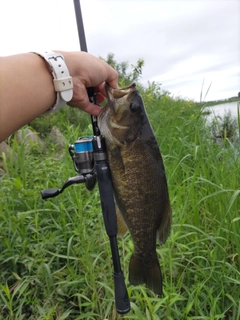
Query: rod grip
[121, 294]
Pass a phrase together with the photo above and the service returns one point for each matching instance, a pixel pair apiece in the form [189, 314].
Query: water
[217, 113]
[219, 110]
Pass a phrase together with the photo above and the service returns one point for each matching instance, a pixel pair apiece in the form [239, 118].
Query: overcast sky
[183, 42]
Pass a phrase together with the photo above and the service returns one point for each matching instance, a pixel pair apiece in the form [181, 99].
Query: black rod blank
[105, 189]
[80, 26]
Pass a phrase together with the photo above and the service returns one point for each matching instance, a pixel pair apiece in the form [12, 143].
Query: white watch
[62, 81]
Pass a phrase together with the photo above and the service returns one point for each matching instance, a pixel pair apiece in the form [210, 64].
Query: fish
[139, 181]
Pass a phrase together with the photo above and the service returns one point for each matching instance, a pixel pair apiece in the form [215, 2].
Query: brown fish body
[139, 181]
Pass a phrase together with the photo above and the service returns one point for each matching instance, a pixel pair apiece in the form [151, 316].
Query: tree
[126, 76]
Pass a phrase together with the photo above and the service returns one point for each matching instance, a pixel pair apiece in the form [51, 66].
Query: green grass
[55, 260]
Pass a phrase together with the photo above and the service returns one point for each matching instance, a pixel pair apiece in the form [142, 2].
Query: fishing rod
[90, 161]
[105, 187]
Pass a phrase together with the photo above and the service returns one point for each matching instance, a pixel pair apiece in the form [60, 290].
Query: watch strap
[62, 81]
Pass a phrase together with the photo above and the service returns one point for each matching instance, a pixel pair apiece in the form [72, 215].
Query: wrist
[72, 59]
[62, 81]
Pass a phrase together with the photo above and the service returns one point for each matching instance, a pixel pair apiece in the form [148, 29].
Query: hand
[88, 71]
[27, 90]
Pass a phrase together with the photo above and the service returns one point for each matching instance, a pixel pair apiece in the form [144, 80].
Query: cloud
[182, 42]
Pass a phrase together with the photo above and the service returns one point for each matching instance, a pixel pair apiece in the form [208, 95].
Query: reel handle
[50, 193]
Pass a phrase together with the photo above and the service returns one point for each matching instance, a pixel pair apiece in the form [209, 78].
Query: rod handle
[121, 294]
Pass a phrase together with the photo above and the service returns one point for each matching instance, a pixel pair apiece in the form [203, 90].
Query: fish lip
[113, 94]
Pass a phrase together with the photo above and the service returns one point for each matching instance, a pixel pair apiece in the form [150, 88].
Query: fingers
[112, 76]
[91, 108]
[87, 107]
[89, 71]
[101, 89]
[82, 102]
[99, 97]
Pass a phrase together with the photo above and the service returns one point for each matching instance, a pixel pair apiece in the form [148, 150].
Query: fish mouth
[113, 94]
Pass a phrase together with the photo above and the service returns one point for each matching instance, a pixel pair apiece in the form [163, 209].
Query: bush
[55, 260]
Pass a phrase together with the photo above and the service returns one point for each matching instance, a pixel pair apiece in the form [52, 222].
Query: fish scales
[139, 181]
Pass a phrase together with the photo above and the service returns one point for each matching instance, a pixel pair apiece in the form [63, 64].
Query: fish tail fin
[149, 273]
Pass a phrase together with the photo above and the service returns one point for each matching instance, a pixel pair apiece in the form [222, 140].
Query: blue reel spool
[83, 145]
[83, 155]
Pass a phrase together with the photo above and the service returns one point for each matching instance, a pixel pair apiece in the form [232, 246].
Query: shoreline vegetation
[221, 101]
[55, 260]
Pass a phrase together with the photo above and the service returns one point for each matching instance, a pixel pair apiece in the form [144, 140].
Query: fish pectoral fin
[149, 272]
[121, 224]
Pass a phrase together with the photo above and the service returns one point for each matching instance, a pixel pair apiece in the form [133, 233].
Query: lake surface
[221, 109]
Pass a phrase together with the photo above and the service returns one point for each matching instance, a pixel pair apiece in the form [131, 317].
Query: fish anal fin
[165, 226]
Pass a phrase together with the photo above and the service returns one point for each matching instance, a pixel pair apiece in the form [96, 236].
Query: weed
[55, 260]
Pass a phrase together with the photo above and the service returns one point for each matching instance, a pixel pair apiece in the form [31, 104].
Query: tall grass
[55, 261]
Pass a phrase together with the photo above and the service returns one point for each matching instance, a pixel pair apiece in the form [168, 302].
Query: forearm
[26, 91]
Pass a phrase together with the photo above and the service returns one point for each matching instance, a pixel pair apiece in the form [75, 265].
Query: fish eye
[134, 107]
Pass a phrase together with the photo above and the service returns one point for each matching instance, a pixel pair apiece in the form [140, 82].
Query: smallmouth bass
[139, 181]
